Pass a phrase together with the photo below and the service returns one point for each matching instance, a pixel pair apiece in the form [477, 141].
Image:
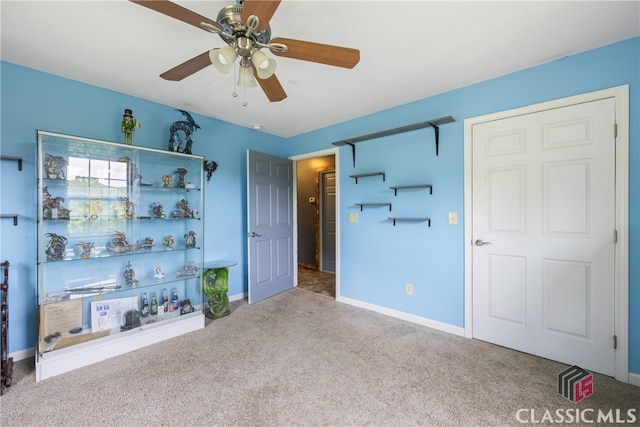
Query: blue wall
[376, 257]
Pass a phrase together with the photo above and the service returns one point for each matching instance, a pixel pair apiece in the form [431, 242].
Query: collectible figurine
[92, 209]
[157, 210]
[190, 239]
[85, 249]
[55, 247]
[180, 134]
[128, 126]
[52, 206]
[148, 243]
[183, 210]
[189, 270]
[120, 244]
[158, 274]
[166, 180]
[130, 276]
[129, 207]
[54, 167]
[181, 174]
[168, 241]
[210, 168]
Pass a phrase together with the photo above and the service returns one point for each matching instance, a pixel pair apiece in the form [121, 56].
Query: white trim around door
[621, 286]
[327, 152]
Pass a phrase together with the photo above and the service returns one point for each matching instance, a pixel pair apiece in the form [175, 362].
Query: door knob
[254, 234]
[481, 242]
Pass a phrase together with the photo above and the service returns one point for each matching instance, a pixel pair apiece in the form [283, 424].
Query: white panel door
[543, 226]
[270, 225]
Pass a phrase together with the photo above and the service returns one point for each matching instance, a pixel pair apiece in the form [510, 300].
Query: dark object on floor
[6, 363]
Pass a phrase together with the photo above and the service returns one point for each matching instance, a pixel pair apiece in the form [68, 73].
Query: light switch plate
[353, 217]
[453, 218]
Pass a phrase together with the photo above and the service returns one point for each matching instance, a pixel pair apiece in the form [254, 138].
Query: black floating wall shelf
[17, 159]
[435, 124]
[364, 175]
[14, 216]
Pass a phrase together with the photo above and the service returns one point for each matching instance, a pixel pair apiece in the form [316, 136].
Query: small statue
[130, 276]
[188, 270]
[210, 168]
[54, 167]
[158, 274]
[190, 239]
[166, 180]
[55, 247]
[52, 206]
[119, 243]
[183, 210]
[92, 209]
[180, 134]
[157, 210]
[128, 126]
[148, 243]
[181, 174]
[129, 207]
[168, 241]
[85, 249]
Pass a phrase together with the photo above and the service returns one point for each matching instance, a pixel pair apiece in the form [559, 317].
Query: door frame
[327, 152]
[620, 94]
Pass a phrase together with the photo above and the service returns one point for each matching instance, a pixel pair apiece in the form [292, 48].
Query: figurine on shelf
[128, 126]
[119, 244]
[186, 307]
[52, 206]
[210, 168]
[215, 284]
[189, 270]
[166, 180]
[129, 207]
[168, 241]
[157, 210]
[158, 274]
[85, 249]
[148, 243]
[182, 172]
[93, 209]
[183, 210]
[130, 276]
[54, 167]
[55, 247]
[180, 134]
[190, 239]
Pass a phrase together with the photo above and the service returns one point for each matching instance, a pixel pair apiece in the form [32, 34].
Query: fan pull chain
[235, 79]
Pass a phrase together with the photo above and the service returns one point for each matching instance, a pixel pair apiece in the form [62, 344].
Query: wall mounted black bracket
[17, 159]
[435, 124]
[14, 216]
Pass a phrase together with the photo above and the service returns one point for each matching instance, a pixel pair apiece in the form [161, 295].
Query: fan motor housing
[230, 18]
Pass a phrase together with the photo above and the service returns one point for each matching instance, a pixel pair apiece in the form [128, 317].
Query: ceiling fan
[245, 29]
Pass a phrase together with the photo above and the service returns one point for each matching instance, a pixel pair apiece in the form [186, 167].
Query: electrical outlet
[408, 289]
[353, 217]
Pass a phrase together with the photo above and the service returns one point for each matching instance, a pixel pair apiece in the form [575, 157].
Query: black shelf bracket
[17, 159]
[14, 216]
[435, 124]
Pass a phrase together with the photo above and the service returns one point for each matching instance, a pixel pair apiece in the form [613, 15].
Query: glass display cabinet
[119, 249]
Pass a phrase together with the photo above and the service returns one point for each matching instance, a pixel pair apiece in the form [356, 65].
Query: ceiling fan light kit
[245, 28]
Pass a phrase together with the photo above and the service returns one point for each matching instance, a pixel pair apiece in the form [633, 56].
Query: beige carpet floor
[302, 359]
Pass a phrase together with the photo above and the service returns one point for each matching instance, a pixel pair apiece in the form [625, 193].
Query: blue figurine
[180, 134]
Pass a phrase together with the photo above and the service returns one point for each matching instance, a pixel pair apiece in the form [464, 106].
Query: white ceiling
[409, 50]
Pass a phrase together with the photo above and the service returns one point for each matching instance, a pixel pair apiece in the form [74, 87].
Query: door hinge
[615, 130]
[615, 236]
[615, 342]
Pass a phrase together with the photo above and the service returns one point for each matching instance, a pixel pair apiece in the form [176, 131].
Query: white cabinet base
[70, 358]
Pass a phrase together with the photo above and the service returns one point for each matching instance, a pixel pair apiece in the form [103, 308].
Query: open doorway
[316, 224]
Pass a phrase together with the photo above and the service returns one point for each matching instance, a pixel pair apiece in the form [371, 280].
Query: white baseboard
[434, 324]
[23, 354]
[237, 297]
[634, 379]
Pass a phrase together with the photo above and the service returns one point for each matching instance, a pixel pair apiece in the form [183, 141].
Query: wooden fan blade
[316, 52]
[178, 12]
[263, 9]
[187, 68]
[271, 87]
